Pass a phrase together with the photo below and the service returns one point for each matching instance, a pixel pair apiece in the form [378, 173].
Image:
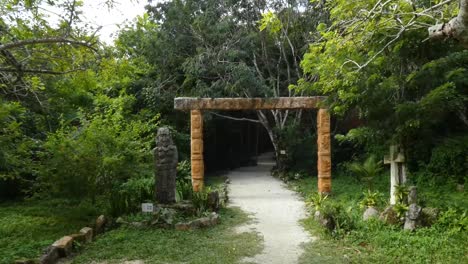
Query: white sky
[98, 14]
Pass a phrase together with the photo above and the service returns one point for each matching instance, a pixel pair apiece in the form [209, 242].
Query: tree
[372, 59]
[230, 49]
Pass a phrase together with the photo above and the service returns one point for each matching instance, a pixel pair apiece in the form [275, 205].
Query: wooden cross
[396, 160]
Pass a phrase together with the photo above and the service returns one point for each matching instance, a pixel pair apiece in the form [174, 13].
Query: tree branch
[456, 28]
[235, 118]
[38, 71]
[27, 42]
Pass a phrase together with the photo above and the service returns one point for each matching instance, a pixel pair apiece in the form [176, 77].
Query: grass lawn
[218, 244]
[374, 242]
[27, 228]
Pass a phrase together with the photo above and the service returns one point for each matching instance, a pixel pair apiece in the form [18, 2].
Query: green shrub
[316, 200]
[98, 153]
[367, 171]
[450, 159]
[371, 199]
[127, 197]
[200, 200]
[184, 188]
[452, 220]
[343, 219]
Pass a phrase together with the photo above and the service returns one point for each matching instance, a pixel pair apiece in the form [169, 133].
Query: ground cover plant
[219, 244]
[28, 227]
[357, 241]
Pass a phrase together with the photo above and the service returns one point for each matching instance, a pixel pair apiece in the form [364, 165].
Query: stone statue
[165, 163]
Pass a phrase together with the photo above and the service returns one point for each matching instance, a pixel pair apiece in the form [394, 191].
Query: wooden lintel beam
[191, 103]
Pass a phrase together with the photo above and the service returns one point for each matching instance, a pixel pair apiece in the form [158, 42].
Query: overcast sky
[100, 15]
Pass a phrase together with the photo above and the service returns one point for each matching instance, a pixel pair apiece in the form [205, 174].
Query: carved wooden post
[323, 151]
[196, 136]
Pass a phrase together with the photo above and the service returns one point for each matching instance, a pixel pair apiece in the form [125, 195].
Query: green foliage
[128, 197]
[271, 22]
[103, 152]
[454, 221]
[375, 242]
[367, 172]
[400, 209]
[200, 200]
[317, 200]
[371, 199]
[28, 227]
[401, 193]
[449, 160]
[220, 244]
[184, 187]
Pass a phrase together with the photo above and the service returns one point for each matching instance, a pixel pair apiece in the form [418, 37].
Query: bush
[127, 197]
[450, 159]
[99, 155]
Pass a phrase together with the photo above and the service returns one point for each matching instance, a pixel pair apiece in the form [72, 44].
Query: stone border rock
[64, 247]
[212, 220]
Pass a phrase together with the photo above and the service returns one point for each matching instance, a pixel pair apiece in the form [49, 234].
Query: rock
[214, 217]
[205, 221]
[370, 212]
[121, 221]
[137, 224]
[101, 222]
[317, 216]
[79, 237]
[389, 216]
[429, 216]
[460, 187]
[413, 211]
[26, 261]
[410, 225]
[64, 245]
[88, 232]
[195, 224]
[165, 163]
[412, 195]
[51, 256]
[213, 201]
[182, 226]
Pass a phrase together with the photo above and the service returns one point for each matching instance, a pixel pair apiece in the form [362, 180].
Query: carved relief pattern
[196, 135]
[323, 151]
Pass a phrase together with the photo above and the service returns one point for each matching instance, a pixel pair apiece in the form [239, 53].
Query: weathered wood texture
[323, 151]
[196, 136]
[189, 103]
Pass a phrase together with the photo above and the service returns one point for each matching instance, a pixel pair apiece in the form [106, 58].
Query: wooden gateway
[196, 105]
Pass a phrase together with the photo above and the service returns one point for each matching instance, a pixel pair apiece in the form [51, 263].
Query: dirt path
[276, 211]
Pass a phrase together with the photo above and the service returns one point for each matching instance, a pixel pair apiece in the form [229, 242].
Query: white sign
[283, 152]
[147, 207]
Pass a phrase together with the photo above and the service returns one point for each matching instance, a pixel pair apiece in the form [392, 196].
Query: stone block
[195, 224]
[101, 222]
[51, 256]
[64, 245]
[182, 226]
[88, 232]
[389, 216]
[26, 261]
[370, 212]
[429, 216]
[215, 218]
[79, 237]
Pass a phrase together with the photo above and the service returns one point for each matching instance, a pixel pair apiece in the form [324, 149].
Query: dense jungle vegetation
[78, 117]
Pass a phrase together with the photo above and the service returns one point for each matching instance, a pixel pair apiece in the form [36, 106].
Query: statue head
[164, 136]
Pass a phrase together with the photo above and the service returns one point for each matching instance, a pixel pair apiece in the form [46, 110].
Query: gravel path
[276, 211]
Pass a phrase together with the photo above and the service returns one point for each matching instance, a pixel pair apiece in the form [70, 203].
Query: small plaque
[283, 152]
[147, 207]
